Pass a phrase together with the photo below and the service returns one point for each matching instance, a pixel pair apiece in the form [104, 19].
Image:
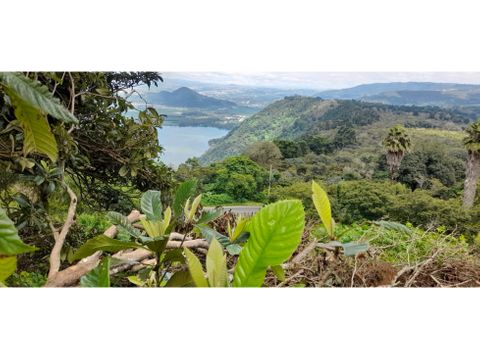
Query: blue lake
[183, 142]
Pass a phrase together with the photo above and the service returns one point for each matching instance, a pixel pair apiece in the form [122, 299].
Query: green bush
[357, 201]
[240, 178]
[93, 222]
[354, 201]
[27, 279]
[298, 190]
[421, 209]
[211, 199]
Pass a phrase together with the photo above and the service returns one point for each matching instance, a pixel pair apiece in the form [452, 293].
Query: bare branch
[60, 236]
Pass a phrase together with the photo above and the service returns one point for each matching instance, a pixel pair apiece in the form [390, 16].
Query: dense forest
[352, 194]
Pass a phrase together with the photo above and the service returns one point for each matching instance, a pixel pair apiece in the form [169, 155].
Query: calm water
[181, 143]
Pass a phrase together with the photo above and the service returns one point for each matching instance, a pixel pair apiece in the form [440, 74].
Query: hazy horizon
[320, 80]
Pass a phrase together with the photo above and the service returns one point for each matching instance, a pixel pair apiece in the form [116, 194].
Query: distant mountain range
[185, 97]
[228, 96]
[410, 93]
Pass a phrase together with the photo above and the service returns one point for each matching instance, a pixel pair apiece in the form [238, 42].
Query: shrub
[27, 279]
[359, 200]
[211, 199]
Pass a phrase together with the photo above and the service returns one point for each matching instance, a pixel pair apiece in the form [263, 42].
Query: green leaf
[134, 279]
[103, 243]
[279, 272]
[209, 234]
[233, 249]
[193, 209]
[322, 204]
[196, 270]
[208, 216]
[151, 205]
[240, 228]
[10, 243]
[275, 232]
[174, 255]
[352, 249]
[167, 217]
[180, 279]
[216, 265]
[38, 137]
[8, 265]
[98, 277]
[184, 191]
[158, 244]
[123, 171]
[392, 225]
[122, 221]
[35, 95]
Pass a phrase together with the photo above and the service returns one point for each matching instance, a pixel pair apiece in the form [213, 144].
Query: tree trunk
[471, 179]
[394, 160]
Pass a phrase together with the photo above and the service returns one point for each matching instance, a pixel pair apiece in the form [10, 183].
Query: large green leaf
[174, 255]
[158, 244]
[184, 191]
[196, 270]
[10, 243]
[275, 232]
[122, 222]
[322, 204]
[216, 265]
[8, 265]
[98, 277]
[194, 207]
[103, 243]
[38, 137]
[209, 234]
[35, 95]
[180, 279]
[151, 205]
[233, 249]
[208, 216]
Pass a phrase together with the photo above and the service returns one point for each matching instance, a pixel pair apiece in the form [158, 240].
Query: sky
[322, 80]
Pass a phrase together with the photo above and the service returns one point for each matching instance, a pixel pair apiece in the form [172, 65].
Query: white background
[239, 36]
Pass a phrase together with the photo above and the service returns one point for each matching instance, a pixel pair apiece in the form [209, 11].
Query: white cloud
[322, 80]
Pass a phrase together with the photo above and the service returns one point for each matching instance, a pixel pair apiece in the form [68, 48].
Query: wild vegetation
[352, 194]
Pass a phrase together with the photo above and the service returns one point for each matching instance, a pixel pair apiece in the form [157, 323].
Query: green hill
[188, 98]
[410, 93]
[298, 117]
[454, 97]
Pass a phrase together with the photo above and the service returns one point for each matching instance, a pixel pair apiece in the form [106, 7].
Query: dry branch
[60, 236]
[71, 275]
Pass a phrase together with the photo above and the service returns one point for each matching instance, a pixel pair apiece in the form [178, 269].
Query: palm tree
[472, 143]
[397, 143]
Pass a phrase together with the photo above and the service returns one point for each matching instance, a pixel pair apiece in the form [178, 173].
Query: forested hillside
[297, 117]
[187, 98]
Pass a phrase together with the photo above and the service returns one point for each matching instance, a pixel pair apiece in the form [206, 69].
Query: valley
[366, 185]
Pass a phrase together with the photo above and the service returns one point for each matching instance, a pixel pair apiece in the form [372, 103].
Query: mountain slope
[187, 98]
[447, 98]
[298, 116]
[366, 90]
